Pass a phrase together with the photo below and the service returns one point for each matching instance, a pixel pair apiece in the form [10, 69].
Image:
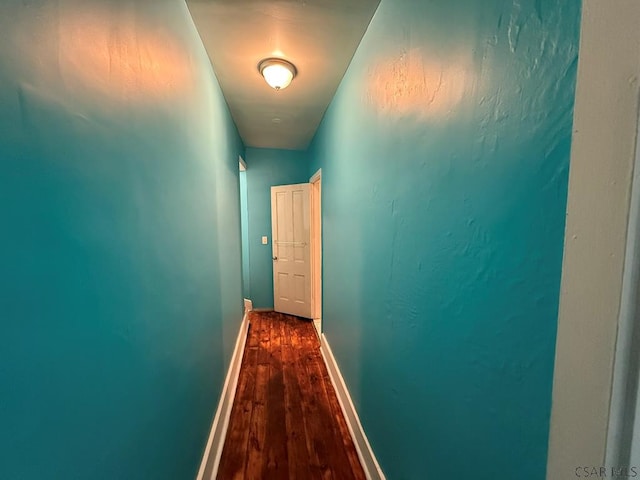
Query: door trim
[316, 249]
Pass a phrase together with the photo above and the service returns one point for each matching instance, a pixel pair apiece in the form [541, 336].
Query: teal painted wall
[266, 168]
[120, 293]
[444, 158]
[244, 228]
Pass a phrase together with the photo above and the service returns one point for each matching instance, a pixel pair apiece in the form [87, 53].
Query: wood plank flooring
[286, 421]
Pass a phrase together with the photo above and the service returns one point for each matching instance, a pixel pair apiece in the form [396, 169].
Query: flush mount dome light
[277, 72]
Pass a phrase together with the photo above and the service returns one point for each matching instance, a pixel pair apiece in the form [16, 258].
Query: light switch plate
[265, 240]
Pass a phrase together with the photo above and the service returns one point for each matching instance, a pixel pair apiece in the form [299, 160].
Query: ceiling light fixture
[277, 72]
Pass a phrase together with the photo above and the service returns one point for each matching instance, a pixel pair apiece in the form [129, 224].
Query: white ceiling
[318, 36]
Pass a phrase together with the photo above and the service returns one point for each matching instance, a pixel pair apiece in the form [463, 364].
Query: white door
[290, 213]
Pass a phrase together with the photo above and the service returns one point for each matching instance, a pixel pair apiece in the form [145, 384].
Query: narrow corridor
[286, 421]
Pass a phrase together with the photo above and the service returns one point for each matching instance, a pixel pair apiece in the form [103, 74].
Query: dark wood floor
[286, 422]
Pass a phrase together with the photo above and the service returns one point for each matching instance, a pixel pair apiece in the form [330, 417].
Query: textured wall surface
[266, 168]
[120, 293]
[445, 157]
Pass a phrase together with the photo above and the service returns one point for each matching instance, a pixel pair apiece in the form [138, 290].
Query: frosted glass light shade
[278, 73]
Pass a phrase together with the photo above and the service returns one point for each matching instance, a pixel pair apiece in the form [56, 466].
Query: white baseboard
[213, 451]
[367, 458]
[248, 305]
[263, 309]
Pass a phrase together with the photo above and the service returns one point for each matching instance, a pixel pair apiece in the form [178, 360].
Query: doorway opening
[316, 250]
[244, 227]
[296, 228]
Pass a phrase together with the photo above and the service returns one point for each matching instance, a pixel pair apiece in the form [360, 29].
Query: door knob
[275, 258]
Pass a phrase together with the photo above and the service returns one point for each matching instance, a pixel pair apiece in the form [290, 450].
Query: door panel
[290, 212]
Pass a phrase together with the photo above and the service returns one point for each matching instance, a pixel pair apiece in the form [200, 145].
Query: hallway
[476, 233]
[286, 421]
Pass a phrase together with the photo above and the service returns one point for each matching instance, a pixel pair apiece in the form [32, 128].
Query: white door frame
[316, 249]
[592, 303]
[623, 436]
